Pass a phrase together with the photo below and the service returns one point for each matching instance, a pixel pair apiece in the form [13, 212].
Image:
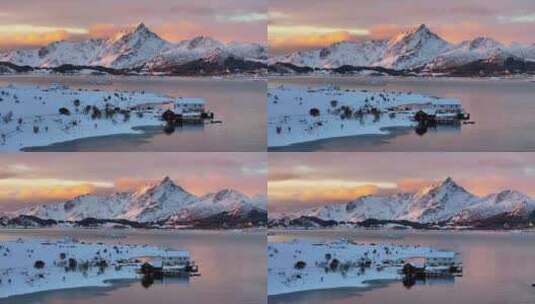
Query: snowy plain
[290, 120]
[30, 115]
[285, 276]
[18, 274]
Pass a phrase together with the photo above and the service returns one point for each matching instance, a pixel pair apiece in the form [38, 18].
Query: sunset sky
[302, 24]
[44, 177]
[31, 23]
[310, 179]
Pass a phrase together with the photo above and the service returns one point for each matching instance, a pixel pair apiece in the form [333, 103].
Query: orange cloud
[32, 39]
[461, 31]
[386, 31]
[287, 193]
[413, 184]
[178, 31]
[492, 184]
[52, 193]
[338, 194]
[104, 30]
[307, 41]
[127, 184]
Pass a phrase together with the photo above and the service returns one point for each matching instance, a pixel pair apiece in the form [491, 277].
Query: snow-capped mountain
[468, 51]
[135, 47]
[229, 201]
[441, 202]
[416, 48]
[412, 49]
[365, 53]
[161, 201]
[504, 202]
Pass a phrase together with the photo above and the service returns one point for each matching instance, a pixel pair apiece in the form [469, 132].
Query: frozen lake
[503, 112]
[498, 268]
[232, 267]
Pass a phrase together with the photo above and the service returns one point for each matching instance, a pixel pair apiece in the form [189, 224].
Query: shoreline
[524, 78]
[370, 284]
[371, 139]
[138, 134]
[105, 284]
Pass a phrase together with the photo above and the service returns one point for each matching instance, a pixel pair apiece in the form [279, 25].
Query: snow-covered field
[302, 265]
[19, 274]
[30, 115]
[342, 112]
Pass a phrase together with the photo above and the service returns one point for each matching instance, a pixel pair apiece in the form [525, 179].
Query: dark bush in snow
[300, 265]
[64, 111]
[314, 112]
[334, 264]
[39, 264]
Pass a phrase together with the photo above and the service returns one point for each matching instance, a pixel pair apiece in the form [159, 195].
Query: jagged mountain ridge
[417, 48]
[163, 201]
[443, 202]
[133, 48]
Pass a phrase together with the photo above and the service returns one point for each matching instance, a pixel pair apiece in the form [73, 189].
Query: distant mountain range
[139, 50]
[417, 50]
[439, 205]
[162, 204]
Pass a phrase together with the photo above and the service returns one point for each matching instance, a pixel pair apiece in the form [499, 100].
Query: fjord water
[503, 111]
[232, 267]
[498, 268]
[238, 103]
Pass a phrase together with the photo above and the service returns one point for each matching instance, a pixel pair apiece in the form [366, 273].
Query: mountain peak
[447, 184]
[227, 193]
[167, 181]
[448, 180]
[141, 26]
[135, 30]
[203, 41]
[422, 27]
[164, 184]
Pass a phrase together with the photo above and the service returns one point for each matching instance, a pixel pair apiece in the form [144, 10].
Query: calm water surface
[239, 103]
[499, 268]
[232, 267]
[503, 111]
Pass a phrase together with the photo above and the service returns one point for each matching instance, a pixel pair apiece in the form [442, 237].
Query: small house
[189, 105]
[443, 259]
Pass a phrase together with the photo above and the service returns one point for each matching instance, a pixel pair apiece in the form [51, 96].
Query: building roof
[177, 253]
[190, 101]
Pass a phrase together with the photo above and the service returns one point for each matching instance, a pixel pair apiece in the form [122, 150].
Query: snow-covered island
[38, 116]
[32, 265]
[302, 265]
[299, 114]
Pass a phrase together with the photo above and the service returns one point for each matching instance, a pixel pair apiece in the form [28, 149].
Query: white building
[443, 259]
[176, 258]
[189, 105]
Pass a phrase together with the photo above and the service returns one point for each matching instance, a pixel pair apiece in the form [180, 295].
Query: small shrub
[334, 264]
[64, 111]
[300, 265]
[39, 264]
